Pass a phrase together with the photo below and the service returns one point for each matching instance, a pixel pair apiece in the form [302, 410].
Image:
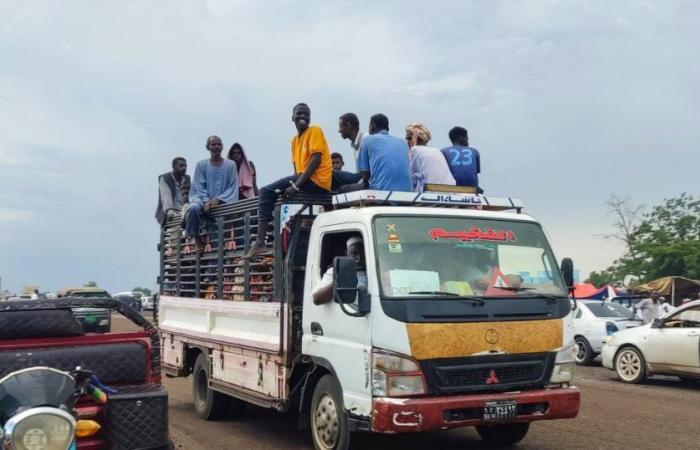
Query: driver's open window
[334, 244]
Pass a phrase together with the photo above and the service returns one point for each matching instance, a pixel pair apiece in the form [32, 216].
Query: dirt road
[663, 413]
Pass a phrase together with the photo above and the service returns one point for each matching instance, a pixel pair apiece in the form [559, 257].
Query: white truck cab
[464, 319]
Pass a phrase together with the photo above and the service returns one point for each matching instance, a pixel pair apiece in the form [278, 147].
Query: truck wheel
[630, 365]
[584, 352]
[503, 435]
[210, 405]
[329, 425]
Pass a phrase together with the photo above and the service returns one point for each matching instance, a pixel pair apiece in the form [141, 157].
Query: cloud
[566, 102]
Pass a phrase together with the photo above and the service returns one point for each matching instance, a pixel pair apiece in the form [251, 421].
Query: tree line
[664, 241]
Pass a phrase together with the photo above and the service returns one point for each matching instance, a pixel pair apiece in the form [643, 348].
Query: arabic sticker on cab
[393, 239]
[473, 234]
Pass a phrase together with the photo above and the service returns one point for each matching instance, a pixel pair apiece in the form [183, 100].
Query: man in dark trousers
[170, 190]
[312, 167]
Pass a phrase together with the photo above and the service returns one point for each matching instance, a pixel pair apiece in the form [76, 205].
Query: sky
[568, 103]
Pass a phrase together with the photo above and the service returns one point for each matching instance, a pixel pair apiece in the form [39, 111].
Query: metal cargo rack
[219, 271]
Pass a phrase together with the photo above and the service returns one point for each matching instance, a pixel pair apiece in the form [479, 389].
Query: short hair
[458, 133]
[178, 158]
[301, 104]
[380, 121]
[212, 137]
[336, 155]
[351, 119]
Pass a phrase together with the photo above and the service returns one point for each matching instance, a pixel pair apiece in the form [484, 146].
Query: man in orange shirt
[312, 167]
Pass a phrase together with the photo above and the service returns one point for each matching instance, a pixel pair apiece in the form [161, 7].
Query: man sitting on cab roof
[464, 161]
[383, 161]
[311, 158]
[428, 166]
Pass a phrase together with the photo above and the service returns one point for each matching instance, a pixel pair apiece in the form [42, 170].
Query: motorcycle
[37, 408]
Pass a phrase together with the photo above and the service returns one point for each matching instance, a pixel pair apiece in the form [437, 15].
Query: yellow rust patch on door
[450, 340]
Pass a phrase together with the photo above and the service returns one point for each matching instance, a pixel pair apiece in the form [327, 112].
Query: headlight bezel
[10, 438]
[389, 368]
[564, 364]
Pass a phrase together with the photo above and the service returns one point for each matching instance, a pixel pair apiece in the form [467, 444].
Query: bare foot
[257, 249]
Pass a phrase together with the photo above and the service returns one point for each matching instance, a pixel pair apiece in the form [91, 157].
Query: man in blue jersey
[464, 161]
[383, 160]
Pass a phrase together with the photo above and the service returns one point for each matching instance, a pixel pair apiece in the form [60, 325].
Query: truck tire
[329, 424]
[630, 365]
[209, 405]
[503, 435]
[584, 352]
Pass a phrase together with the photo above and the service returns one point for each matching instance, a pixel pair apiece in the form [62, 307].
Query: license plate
[500, 410]
[90, 319]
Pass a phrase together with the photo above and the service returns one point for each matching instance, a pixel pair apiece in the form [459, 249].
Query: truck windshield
[422, 256]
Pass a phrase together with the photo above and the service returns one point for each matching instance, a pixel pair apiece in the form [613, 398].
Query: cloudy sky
[568, 102]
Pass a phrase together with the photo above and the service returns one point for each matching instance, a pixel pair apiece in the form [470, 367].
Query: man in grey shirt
[170, 190]
[648, 308]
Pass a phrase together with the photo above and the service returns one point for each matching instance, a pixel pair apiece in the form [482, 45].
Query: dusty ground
[661, 414]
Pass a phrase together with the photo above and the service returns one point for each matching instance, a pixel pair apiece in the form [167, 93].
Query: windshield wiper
[476, 299]
[551, 299]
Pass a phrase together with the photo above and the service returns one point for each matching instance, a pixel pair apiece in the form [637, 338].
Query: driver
[353, 248]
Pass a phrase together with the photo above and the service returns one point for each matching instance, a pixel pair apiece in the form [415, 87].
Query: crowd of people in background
[383, 162]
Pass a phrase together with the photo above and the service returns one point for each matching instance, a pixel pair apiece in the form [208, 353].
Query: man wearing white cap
[355, 249]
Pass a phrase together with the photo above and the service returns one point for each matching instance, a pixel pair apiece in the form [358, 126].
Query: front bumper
[400, 415]
[607, 355]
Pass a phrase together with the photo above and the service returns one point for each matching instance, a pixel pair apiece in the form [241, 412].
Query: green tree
[668, 239]
[90, 284]
[144, 291]
[663, 242]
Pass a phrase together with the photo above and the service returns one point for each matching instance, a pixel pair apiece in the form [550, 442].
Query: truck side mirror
[567, 271]
[657, 323]
[344, 280]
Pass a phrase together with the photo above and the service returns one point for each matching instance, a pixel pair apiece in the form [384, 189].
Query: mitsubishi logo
[492, 379]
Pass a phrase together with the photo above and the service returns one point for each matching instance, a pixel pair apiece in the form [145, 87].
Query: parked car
[147, 302]
[594, 321]
[667, 346]
[130, 300]
[97, 320]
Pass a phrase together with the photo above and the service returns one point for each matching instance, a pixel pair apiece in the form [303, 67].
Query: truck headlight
[104, 322]
[564, 364]
[42, 428]
[394, 375]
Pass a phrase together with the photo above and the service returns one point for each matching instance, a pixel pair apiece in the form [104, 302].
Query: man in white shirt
[355, 249]
[428, 165]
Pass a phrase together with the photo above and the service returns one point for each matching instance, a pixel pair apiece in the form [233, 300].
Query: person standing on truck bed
[355, 249]
[311, 158]
[247, 183]
[383, 160]
[428, 166]
[215, 182]
[170, 195]
[464, 161]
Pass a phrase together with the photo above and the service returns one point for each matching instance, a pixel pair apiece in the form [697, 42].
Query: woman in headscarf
[428, 165]
[247, 183]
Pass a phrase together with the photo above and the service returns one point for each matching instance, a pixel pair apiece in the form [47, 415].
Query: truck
[458, 315]
[94, 320]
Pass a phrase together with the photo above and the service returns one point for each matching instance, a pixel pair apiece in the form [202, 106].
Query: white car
[594, 321]
[147, 302]
[669, 346]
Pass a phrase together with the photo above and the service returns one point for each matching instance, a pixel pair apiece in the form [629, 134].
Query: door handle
[694, 334]
[316, 329]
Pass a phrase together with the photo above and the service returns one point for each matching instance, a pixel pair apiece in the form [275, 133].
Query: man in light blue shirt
[383, 160]
[215, 182]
